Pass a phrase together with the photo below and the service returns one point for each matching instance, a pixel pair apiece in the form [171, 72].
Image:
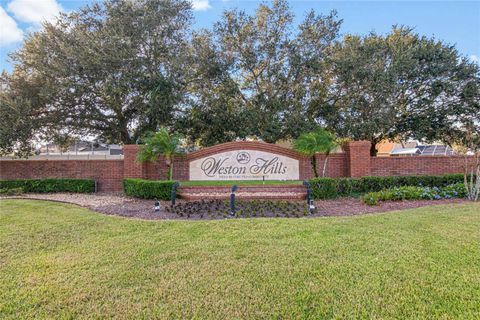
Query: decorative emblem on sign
[243, 157]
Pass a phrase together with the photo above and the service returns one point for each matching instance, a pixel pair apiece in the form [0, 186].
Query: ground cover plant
[62, 261]
[11, 191]
[215, 209]
[416, 193]
[329, 188]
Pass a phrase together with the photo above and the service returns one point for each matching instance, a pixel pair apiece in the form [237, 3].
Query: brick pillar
[358, 158]
[131, 168]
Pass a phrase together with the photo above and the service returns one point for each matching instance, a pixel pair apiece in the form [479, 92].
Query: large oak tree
[114, 70]
[260, 74]
[119, 69]
[400, 86]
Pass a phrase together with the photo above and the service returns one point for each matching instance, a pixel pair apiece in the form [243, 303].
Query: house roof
[435, 150]
[405, 151]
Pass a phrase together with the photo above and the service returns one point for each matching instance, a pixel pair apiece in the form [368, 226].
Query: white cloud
[475, 58]
[9, 31]
[34, 11]
[200, 5]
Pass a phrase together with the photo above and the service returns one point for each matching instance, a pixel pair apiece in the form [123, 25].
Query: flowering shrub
[415, 193]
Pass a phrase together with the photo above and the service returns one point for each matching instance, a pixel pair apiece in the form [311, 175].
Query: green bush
[324, 188]
[327, 188]
[415, 193]
[148, 189]
[11, 192]
[50, 185]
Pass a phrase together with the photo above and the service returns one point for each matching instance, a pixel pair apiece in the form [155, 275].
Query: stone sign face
[244, 165]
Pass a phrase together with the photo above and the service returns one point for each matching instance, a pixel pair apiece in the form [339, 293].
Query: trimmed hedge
[328, 188]
[50, 185]
[148, 189]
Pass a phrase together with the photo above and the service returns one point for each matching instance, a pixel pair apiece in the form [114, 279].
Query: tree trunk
[313, 160]
[170, 171]
[472, 177]
[169, 161]
[373, 148]
[325, 165]
[124, 134]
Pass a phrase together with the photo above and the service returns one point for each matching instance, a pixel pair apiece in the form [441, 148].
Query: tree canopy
[400, 86]
[118, 69]
[260, 74]
[115, 69]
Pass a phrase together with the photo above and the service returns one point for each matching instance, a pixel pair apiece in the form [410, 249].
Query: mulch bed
[120, 205]
[352, 206]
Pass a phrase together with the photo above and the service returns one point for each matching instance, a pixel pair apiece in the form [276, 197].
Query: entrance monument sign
[244, 165]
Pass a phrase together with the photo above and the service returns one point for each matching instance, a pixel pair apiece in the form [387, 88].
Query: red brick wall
[107, 173]
[336, 166]
[358, 158]
[159, 170]
[131, 168]
[354, 162]
[425, 165]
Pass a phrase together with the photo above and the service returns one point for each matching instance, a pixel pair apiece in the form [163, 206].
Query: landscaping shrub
[415, 193]
[327, 188]
[11, 192]
[50, 185]
[324, 188]
[348, 186]
[148, 189]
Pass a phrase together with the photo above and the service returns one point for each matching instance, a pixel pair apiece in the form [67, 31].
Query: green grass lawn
[62, 261]
[239, 182]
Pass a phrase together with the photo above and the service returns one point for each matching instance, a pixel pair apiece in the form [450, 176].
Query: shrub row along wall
[328, 188]
[50, 185]
[354, 162]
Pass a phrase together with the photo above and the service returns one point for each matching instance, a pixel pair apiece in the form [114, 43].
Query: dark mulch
[143, 209]
[120, 205]
[352, 206]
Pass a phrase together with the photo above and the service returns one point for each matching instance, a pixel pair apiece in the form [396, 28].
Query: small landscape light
[232, 200]
[173, 196]
[157, 205]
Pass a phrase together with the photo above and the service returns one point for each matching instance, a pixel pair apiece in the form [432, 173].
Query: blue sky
[456, 22]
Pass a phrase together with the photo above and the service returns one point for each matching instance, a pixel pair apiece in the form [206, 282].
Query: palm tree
[160, 143]
[320, 141]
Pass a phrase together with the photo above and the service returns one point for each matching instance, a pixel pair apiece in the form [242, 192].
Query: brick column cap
[130, 146]
[359, 143]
